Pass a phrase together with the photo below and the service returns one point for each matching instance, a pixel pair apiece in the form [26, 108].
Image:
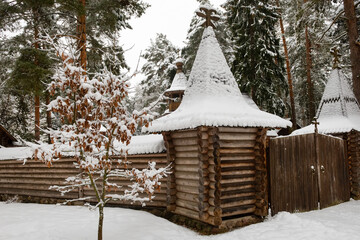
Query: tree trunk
[310, 86]
[37, 117]
[291, 91]
[101, 221]
[48, 115]
[81, 34]
[37, 97]
[354, 43]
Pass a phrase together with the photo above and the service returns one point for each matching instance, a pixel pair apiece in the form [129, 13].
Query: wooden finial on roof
[209, 14]
[335, 52]
[316, 123]
[179, 65]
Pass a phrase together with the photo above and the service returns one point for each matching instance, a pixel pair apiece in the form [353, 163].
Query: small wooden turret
[176, 92]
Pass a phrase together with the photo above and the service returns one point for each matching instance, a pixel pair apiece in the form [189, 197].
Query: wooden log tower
[219, 174]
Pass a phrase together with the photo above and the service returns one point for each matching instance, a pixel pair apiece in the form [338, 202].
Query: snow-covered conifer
[258, 65]
[159, 71]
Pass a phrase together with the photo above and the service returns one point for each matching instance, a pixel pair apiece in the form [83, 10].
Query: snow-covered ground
[35, 221]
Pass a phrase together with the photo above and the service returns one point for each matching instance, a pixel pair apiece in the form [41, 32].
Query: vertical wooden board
[273, 173]
[325, 176]
[276, 168]
[294, 187]
[310, 178]
[334, 171]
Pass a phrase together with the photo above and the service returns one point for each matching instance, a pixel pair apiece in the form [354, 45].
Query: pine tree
[34, 15]
[288, 69]
[97, 23]
[90, 25]
[299, 17]
[159, 71]
[258, 65]
[354, 43]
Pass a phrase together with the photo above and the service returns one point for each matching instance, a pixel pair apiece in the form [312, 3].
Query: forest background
[279, 52]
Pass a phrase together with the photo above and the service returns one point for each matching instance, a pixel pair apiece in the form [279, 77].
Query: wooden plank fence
[306, 170]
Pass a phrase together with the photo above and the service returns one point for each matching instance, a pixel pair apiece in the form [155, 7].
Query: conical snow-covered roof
[212, 96]
[179, 81]
[339, 110]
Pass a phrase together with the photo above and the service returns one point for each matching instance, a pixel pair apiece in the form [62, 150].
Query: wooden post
[261, 185]
[217, 211]
[171, 185]
[353, 147]
[203, 149]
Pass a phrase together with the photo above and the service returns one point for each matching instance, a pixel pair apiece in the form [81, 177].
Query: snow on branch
[95, 119]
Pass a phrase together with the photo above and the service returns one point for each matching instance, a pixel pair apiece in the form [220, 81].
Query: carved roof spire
[209, 14]
[335, 52]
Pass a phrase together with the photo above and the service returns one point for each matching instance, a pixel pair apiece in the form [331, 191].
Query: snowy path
[34, 221]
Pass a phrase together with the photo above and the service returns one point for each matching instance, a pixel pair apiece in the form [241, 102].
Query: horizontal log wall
[34, 178]
[353, 148]
[219, 174]
[186, 190]
[237, 154]
[140, 162]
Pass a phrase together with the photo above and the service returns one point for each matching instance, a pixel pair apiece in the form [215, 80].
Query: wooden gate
[307, 171]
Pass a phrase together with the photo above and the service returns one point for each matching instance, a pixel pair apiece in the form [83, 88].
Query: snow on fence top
[15, 153]
[339, 110]
[153, 143]
[212, 97]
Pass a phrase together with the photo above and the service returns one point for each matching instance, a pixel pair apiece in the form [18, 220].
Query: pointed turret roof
[212, 96]
[339, 110]
[179, 81]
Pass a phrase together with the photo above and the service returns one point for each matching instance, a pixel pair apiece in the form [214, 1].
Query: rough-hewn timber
[220, 174]
[353, 148]
[33, 179]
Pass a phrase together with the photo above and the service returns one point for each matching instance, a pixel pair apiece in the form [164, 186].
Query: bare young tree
[86, 104]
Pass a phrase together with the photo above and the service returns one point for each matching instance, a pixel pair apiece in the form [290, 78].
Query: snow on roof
[250, 102]
[339, 110]
[15, 153]
[206, 6]
[144, 144]
[179, 60]
[153, 143]
[212, 96]
[272, 133]
[179, 83]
